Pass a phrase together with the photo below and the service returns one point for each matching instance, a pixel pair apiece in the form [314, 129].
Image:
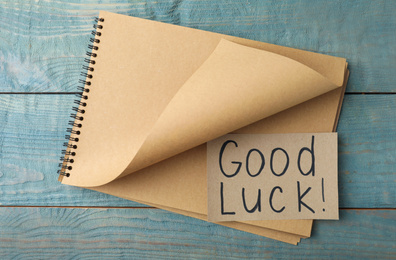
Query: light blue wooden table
[42, 47]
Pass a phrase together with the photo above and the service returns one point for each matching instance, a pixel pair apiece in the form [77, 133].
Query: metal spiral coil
[76, 124]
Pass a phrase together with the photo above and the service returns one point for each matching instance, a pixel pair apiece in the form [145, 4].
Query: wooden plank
[43, 43]
[367, 151]
[33, 127]
[54, 233]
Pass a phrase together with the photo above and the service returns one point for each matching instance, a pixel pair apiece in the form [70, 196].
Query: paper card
[273, 176]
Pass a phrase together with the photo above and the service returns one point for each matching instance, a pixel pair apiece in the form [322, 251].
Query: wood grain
[42, 44]
[58, 233]
[367, 151]
[33, 129]
[42, 47]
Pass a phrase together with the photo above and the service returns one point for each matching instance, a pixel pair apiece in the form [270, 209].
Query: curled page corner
[236, 86]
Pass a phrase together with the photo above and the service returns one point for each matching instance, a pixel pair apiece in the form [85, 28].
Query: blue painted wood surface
[59, 233]
[43, 43]
[42, 46]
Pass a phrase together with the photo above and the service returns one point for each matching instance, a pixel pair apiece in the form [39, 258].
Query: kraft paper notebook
[155, 93]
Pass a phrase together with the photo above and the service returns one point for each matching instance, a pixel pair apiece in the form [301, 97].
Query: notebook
[154, 93]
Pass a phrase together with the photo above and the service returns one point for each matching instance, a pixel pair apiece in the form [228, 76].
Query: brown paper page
[186, 193]
[135, 93]
[213, 100]
[159, 186]
[179, 183]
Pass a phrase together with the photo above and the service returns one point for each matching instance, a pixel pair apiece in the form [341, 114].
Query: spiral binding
[76, 124]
